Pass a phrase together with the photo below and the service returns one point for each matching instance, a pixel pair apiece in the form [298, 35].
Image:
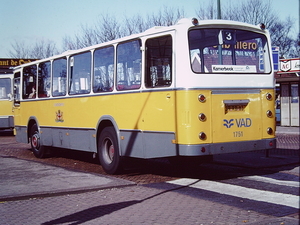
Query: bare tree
[296, 50]
[108, 28]
[133, 25]
[166, 16]
[207, 12]
[69, 43]
[41, 49]
[19, 50]
[279, 35]
[255, 12]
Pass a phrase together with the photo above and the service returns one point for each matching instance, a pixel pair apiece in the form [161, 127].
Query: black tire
[108, 151]
[35, 142]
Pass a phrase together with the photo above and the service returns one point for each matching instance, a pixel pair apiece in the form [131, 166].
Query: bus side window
[129, 62]
[44, 75]
[5, 88]
[59, 80]
[80, 74]
[103, 69]
[29, 82]
[159, 62]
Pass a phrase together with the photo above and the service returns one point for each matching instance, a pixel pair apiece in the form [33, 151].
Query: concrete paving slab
[23, 179]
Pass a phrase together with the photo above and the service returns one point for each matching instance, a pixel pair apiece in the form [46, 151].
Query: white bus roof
[182, 23]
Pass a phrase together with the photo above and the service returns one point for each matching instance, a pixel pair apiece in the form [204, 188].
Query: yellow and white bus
[6, 101]
[192, 89]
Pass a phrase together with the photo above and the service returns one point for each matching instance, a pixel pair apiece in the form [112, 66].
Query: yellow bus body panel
[5, 108]
[188, 109]
[150, 111]
[223, 124]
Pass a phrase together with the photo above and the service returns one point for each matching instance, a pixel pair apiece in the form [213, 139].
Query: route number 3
[227, 37]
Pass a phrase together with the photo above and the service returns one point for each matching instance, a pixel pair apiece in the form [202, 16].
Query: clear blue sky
[31, 20]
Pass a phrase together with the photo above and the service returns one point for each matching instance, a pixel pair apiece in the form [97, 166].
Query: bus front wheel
[108, 151]
[35, 141]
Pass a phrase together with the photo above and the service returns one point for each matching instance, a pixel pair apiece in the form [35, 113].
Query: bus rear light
[201, 98]
[270, 130]
[271, 144]
[202, 136]
[262, 26]
[202, 117]
[195, 21]
[269, 96]
[269, 114]
[203, 149]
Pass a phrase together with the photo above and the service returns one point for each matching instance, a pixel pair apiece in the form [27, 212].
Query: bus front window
[228, 51]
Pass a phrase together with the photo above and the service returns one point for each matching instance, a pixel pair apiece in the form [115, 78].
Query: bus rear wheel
[35, 141]
[108, 151]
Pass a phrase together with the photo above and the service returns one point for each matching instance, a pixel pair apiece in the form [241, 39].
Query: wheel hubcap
[35, 140]
[108, 151]
[111, 152]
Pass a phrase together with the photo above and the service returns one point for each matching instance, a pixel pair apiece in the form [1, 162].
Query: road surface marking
[242, 192]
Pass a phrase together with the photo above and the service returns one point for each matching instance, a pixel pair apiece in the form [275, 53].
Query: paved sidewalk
[287, 130]
[22, 179]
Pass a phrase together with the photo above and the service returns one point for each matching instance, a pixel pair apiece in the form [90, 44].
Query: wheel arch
[108, 121]
[31, 121]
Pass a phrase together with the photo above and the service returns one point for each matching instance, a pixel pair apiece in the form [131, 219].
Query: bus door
[158, 112]
[17, 97]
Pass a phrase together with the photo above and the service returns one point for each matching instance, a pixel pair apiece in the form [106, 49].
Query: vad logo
[247, 122]
[242, 122]
[227, 123]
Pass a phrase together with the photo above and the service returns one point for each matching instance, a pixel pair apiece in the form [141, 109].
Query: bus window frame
[104, 89]
[70, 73]
[171, 67]
[49, 78]
[260, 35]
[7, 92]
[123, 87]
[29, 94]
[64, 94]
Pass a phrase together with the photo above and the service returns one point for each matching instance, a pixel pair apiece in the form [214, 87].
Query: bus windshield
[228, 51]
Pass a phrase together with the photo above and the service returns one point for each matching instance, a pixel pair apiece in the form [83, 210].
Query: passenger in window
[33, 93]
